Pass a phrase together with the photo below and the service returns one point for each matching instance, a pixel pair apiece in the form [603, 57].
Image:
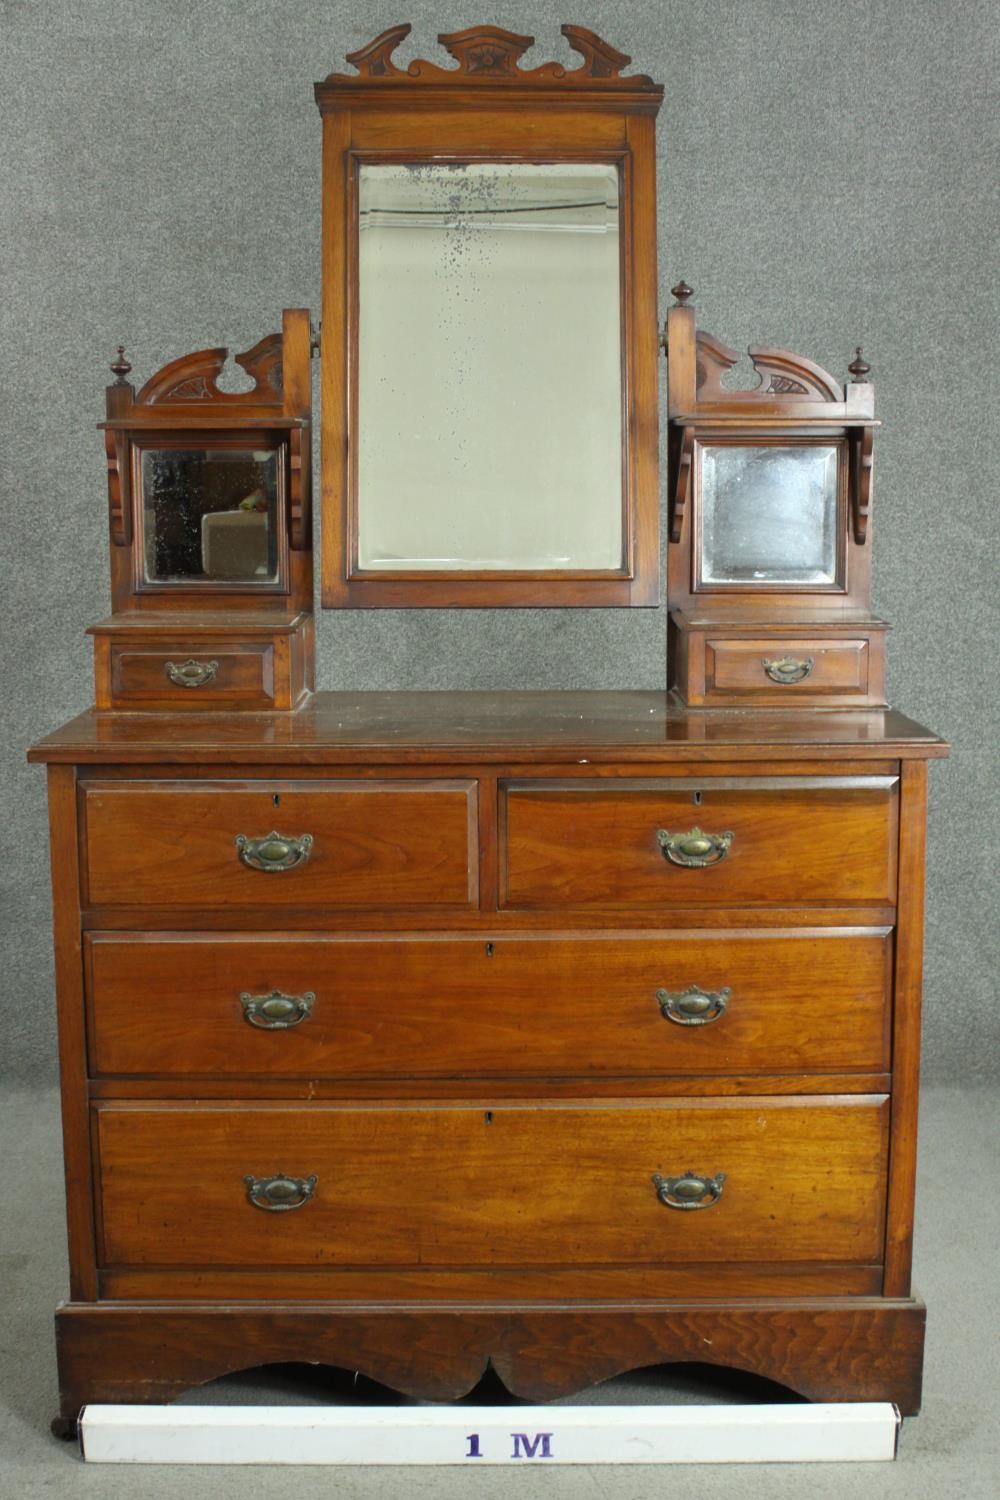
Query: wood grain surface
[472, 1006]
[439, 1185]
[374, 844]
[588, 845]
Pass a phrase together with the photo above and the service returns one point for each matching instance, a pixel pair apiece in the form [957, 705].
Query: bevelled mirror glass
[769, 515]
[489, 367]
[210, 515]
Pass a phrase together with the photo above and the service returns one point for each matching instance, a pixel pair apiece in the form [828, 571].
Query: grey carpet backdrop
[824, 178]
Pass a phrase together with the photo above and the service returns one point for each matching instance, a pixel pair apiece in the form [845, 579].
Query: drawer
[825, 661]
[804, 1181]
[349, 844]
[781, 669]
[191, 675]
[144, 659]
[763, 841]
[599, 1005]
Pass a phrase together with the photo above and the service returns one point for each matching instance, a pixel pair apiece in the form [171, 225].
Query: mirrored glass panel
[210, 515]
[489, 367]
[769, 514]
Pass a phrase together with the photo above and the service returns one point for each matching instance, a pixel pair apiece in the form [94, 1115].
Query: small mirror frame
[796, 402]
[183, 406]
[489, 108]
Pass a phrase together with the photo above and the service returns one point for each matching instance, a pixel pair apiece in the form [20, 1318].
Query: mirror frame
[218, 441]
[488, 108]
[706, 438]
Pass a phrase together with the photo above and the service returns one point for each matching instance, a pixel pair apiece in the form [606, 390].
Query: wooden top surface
[546, 727]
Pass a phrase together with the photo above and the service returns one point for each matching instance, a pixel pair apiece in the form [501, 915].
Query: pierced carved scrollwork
[490, 53]
[713, 359]
[781, 374]
[194, 377]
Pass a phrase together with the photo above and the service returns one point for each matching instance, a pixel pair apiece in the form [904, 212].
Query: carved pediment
[781, 374]
[193, 377]
[490, 54]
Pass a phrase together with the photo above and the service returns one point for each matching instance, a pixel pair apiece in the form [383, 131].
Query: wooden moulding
[826, 1349]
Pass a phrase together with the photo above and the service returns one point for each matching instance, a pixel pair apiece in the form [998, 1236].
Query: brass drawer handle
[693, 1006]
[694, 849]
[280, 1193]
[276, 1011]
[689, 1190]
[191, 673]
[274, 851]
[787, 669]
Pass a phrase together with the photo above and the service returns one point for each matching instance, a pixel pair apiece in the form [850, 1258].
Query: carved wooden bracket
[119, 489]
[299, 463]
[684, 453]
[862, 441]
[193, 377]
[488, 53]
[781, 374]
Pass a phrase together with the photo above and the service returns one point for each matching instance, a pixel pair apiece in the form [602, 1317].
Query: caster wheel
[65, 1428]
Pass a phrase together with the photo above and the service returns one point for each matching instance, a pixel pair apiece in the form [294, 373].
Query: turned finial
[120, 366]
[681, 292]
[859, 369]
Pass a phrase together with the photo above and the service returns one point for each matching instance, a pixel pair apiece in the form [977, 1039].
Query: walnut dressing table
[414, 1032]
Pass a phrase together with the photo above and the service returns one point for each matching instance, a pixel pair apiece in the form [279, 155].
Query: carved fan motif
[490, 53]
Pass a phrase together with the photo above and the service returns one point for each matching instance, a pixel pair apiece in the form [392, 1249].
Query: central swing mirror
[489, 329]
[489, 367]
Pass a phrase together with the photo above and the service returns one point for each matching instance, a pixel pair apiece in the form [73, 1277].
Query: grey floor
[950, 1450]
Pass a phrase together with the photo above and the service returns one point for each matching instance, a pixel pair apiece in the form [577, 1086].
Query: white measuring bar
[835, 1432]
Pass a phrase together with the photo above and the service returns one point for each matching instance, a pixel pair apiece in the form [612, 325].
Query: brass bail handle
[191, 673]
[274, 851]
[277, 1011]
[787, 669]
[694, 849]
[689, 1190]
[280, 1193]
[693, 1006]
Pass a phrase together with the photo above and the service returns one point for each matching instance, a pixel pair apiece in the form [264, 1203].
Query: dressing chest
[414, 1032]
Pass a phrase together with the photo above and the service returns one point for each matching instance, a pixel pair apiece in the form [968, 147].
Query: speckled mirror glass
[768, 514]
[210, 516]
[489, 367]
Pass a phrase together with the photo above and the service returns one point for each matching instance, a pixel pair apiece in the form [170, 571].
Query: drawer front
[349, 844]
[781, 669]
[655, 1004]
[764, 842]
[804, 1181]
[191, 675]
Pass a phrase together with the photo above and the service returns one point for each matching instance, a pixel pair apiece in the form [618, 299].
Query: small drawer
[786, 668]
[777, 662]
[767, 841]
[147, 660]
[192, 675]
[798, 1180]
[625, 1004]
[216, 845]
